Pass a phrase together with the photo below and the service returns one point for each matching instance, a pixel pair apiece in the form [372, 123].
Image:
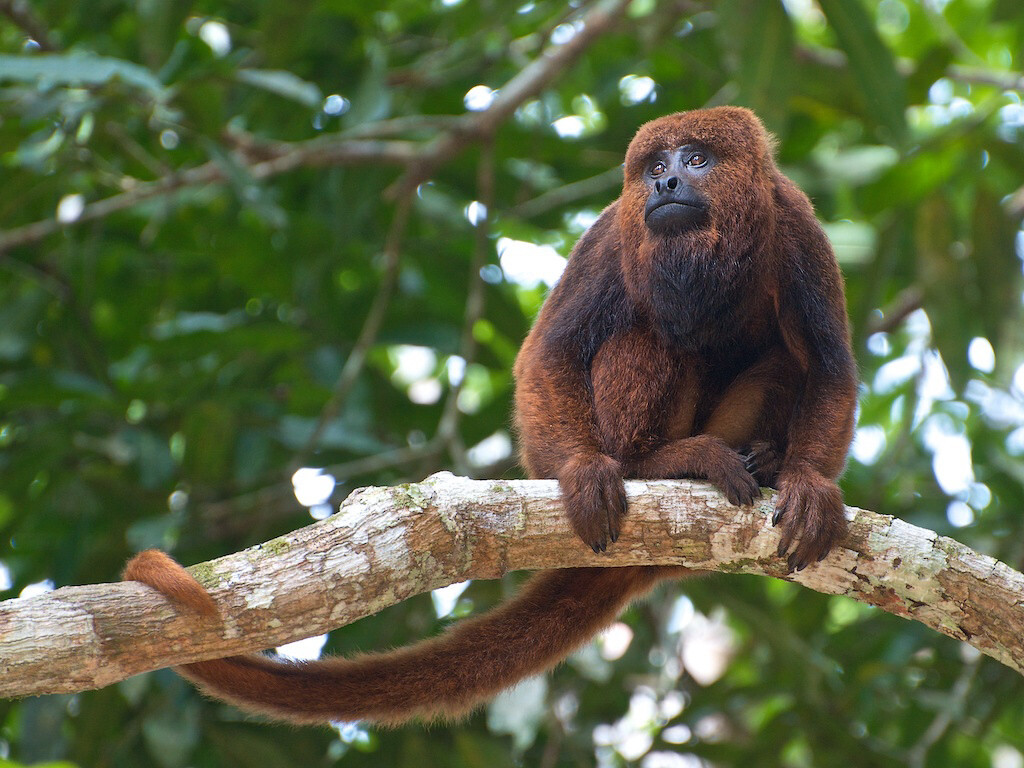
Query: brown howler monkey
[699, 330]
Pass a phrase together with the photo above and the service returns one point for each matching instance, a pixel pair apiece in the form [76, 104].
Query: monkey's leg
[558, 439]
[703, 456]
[581, 429]
[753, 414]
[754, 409]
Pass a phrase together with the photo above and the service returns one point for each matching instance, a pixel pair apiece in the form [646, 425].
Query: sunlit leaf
[77, 69]
[284, 84]
[759, 34]
[872, 62]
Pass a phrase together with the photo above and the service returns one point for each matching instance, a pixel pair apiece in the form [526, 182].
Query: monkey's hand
[595, 498]
[810, 508]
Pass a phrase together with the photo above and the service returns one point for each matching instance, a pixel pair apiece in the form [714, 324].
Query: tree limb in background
[420, 159]
[388, 544]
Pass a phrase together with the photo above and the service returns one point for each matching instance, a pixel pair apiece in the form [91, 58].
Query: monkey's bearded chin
[688, 293]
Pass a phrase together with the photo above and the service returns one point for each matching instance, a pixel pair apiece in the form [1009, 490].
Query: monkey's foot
[704, 456]
[810, 511]
[763, 461]
[727, 471]
[595, 498]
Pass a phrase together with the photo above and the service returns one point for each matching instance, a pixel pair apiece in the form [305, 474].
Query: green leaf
[78, 69]
[927, 69]
[759, 35]
[995, 256]
[872, 63]
[283, 83]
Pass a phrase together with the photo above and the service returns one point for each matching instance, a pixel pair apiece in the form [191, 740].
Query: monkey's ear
[811, 301]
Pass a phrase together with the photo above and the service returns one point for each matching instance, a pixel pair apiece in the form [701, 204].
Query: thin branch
[420, 160]
[906, 302]
[569, 193]
[970, 75]
[530, 81]
[951, 711]
[447, 428]
[315, 153]
[21, 13]
[371, 326]
[387, 544]
[246, 512]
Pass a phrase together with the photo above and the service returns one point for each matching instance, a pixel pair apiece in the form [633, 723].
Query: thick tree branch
[388, 544]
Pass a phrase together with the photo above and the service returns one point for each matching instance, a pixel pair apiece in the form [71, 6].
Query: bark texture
[387, 544]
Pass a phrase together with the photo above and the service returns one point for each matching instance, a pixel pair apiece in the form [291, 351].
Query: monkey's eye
[658, 168]
[696, 160]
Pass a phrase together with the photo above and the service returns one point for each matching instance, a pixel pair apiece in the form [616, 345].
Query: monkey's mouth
[673, 216]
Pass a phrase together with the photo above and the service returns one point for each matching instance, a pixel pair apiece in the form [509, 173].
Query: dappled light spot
[70, 208]
[563, 33]
[868, 444]
[479, 98]
[313, 488]
[634, 89]
[475, 213]
[981, 355]
[36, 588]
[336, 105]
[959, 514]
[528, 264]
[216, 35]
[615, 641]
[951, 453]
[490, 450]
[303, 650]
[424, 391]
[445, 598]
[569, 127]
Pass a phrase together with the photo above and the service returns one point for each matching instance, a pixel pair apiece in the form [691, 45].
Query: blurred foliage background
[240, 239]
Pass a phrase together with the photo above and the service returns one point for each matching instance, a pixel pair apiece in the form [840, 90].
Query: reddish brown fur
[721, 352]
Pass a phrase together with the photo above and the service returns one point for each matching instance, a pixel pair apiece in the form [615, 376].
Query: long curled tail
[444, 677]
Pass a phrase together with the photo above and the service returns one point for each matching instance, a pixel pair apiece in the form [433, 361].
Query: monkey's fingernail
[604, 546]
[779, 511]
[596, 548]
[823, 555]
[615, 537]
[783, 546]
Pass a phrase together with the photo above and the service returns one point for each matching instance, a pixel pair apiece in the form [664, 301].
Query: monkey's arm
[812, 315]
[555, 414]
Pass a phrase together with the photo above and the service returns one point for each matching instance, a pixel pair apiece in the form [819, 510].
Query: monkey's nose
[670, 185]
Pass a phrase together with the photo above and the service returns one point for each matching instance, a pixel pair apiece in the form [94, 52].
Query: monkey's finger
[791, 526]
[613, 526]
[614, 496]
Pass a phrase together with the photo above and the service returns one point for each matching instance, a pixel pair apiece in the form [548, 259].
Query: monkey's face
[672, 179]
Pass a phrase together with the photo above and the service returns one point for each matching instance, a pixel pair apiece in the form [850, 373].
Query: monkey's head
[698, 179]
[697, 211]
